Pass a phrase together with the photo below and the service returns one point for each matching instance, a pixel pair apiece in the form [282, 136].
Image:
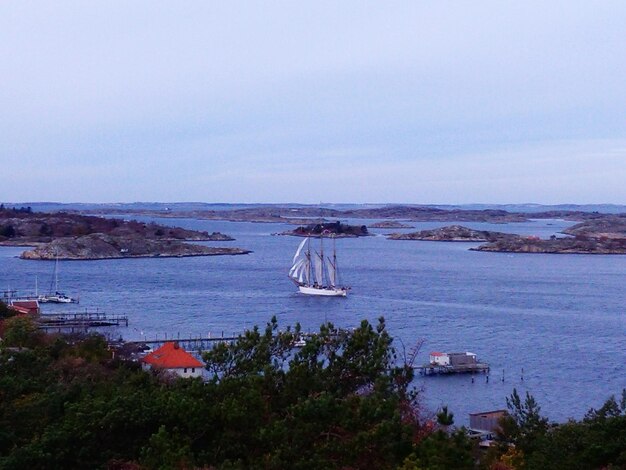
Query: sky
[425, 102]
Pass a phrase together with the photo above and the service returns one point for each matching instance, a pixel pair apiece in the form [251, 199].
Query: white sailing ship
[314, 273]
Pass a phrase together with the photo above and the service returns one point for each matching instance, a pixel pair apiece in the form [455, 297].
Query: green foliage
[339, 402]
[20, 331]
[444, 417]
[598, 441]
[441, 451]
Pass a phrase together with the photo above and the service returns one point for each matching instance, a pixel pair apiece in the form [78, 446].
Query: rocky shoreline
[100, 246]
[569, 245]
[70, 236]
[451, 233]
[389, 224]
[601, 243]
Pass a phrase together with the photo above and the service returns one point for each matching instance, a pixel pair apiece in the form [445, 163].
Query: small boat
[315, 274]
[56, 296]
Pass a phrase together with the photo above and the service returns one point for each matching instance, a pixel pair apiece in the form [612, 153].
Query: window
[193, 369]
[185, 370]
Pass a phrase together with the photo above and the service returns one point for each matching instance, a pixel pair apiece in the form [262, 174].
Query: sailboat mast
[322, 258]
[308, 257]
[335, 261]
[56, 274]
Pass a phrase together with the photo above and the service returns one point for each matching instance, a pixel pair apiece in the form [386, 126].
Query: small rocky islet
[329, 229]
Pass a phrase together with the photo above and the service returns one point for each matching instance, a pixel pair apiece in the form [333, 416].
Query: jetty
[86, 319]
[442, 363]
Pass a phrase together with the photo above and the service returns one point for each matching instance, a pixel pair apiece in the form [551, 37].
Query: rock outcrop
[98, 246]
[568, 245]
[451, 233]
[390, 224]
[335, 229]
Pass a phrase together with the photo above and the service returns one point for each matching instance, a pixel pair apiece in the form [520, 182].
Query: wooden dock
[434, 369]
[197, 343]
[81, 320]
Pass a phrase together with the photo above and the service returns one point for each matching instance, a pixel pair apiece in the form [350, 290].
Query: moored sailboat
[56, 296]
[314, 273]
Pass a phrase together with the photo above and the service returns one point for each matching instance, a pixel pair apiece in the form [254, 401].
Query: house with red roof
[172, 358]
[25, 307]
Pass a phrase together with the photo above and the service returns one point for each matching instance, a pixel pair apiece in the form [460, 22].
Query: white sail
[318, 269]
[331, 273]
[300, 271]
[322, 270]
[299, 250]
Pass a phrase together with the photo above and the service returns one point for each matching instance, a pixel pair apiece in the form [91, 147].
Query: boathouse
[25, 307]
[452, 359]
[487, 422]
[172, 358]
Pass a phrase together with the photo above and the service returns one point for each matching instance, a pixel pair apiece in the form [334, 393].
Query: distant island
[298, 214]
[73, 236]
[452, 233]
[390, 224]
[102, 246]
[606, 236]
[336, 229]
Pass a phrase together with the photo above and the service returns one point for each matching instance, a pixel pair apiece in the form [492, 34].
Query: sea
[550, 325]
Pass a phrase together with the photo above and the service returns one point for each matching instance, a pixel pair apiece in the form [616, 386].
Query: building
[439, 358]
[487, 422]
[452, 359]
[25, 307]
[172, 358]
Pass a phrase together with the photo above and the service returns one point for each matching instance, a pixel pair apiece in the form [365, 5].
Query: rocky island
[102, 246]
[590, 237]
[390, 224]
[81, 237]
[336, 229]
[451, 233]
[567, 245]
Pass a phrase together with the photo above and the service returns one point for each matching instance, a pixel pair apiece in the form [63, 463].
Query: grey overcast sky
[416, 101]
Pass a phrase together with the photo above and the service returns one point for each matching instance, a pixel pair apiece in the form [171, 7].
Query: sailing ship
[56, 296]
[314, 273]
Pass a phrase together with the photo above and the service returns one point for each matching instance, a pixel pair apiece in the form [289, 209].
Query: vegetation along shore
[340, 401]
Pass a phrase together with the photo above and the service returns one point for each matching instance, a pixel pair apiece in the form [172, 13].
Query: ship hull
[326, 292]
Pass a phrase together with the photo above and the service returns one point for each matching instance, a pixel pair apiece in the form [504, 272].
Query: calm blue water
[560, 318]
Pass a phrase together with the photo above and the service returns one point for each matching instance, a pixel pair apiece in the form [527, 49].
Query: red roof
[171, 356]
[438, 354]
[25, 306]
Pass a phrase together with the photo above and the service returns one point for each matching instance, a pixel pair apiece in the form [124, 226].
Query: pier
[430, 369]
[83, 320]
[190, 343]
[442, 363]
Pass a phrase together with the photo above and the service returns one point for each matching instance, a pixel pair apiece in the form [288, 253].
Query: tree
[7, 231]
[20, 331]
[444, 417]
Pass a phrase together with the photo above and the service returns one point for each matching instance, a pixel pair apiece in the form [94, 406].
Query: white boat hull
[327, 291]
[56, 299]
